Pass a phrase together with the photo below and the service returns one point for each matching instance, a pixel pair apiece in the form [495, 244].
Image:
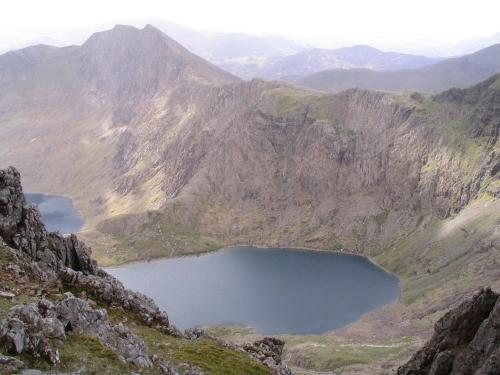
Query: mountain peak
[122, 32]
[153, 61]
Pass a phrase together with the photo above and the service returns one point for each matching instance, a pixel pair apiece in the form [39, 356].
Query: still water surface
[275, 291]
[58, 212]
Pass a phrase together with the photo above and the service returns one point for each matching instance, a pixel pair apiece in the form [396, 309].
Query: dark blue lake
[58, 212]
[274, 291]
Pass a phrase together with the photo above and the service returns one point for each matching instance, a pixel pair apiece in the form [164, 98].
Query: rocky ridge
[56, 263]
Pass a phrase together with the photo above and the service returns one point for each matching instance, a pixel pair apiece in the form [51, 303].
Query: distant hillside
[362, 56]
[249, 56]
[454, 72]
[238, 53]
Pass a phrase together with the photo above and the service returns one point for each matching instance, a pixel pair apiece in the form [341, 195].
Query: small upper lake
[58, 212]
[275, 291]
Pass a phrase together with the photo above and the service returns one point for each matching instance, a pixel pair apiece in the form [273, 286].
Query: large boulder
[269, 351]
[465, 341]
[27, 329]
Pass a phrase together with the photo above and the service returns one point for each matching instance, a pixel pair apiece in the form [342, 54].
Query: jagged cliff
[44, 270]
[274, 165]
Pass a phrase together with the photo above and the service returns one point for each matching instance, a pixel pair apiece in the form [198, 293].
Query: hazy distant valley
[387, 155]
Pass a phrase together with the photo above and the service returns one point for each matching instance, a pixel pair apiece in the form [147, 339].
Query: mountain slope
[241, 54]
[72, 108]
[281, 166]
[179, 156]
[454, 72]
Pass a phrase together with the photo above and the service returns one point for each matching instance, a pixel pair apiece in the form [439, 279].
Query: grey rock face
[465, 341]
[31, 372]
[109, 289]
[21, 227]
[194, 333]
[10, 364]
[28, 329]
[168, 369]
[269, 351]
[38, 329]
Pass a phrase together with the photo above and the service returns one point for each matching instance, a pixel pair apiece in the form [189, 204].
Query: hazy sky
[392, 23]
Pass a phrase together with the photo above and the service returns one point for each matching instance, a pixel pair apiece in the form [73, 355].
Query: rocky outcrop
[10, 364]
[39, 328]
[108, 289]
[466, 341]
[269, 351]
[64, 258]
[22, 228]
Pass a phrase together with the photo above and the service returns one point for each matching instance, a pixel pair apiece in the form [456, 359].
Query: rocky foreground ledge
[466, 341]
[54, 268]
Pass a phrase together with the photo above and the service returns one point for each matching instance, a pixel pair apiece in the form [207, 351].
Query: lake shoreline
[261, 247]
[270, 277]
[70, 213]
[73, 201]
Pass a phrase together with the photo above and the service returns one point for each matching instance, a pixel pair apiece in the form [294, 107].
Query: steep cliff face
[274, 165]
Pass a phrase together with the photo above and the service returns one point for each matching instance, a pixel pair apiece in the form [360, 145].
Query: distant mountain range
[454, 72]
[362, 56]
[251, 57]
[273, 57]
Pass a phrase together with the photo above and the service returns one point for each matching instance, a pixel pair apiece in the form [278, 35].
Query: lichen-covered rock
[168, 369]
[64, 257]
[465, 341]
